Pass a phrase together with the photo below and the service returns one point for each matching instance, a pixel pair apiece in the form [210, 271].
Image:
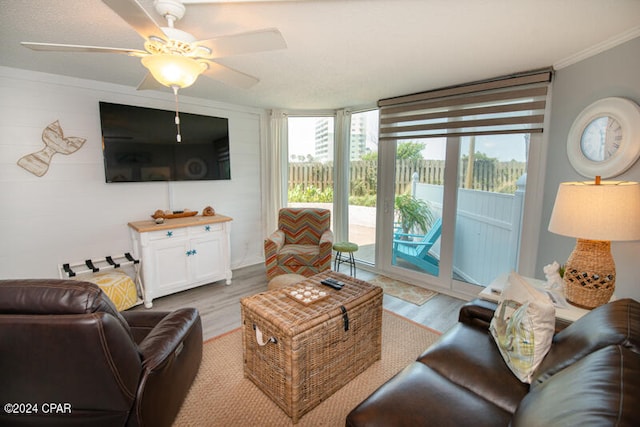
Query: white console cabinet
[181, 253]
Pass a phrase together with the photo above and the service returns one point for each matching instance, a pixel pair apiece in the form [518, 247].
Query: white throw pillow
[523, 326]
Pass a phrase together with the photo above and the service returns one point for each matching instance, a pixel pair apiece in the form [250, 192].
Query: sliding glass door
[458, 207]
[453, 182]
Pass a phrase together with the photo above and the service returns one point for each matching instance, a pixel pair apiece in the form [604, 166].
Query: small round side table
[342, 248]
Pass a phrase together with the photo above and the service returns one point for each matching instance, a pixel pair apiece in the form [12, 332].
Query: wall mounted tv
[139, 144]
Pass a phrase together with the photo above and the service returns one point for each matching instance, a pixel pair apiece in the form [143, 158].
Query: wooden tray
[292, 291]
[174, 215]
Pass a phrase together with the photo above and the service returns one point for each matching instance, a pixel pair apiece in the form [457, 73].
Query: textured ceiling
[340, 52]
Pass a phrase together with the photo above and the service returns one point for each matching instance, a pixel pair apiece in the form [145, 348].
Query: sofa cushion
[617, 322]
[419, 396]
[468, 357]
[600, 389]
[523, 326]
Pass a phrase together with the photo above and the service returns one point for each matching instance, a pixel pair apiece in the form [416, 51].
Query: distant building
[324, 137]
[358, 136]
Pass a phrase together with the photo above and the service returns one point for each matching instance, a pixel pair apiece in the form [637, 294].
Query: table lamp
[595, 213]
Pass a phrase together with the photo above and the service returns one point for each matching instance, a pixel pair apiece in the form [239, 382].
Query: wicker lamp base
[590, 274]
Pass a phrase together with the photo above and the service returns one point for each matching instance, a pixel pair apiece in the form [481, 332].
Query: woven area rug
[221, 396]
[410, 293]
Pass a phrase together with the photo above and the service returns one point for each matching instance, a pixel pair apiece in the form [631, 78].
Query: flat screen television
[139, 144]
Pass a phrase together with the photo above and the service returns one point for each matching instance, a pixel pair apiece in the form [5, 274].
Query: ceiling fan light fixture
[174, 57]
[174, 70]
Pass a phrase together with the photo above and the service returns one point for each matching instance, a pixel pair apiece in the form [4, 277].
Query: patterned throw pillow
[523, 326]
[118, 286]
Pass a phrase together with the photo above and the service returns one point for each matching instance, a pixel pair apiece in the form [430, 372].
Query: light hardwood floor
[219, 304]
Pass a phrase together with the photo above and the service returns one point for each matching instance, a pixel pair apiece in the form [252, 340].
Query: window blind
[509, 104]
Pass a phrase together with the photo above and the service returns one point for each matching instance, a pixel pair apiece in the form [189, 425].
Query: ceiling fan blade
[237, 44]
[136, 16]
[149, 83]
[229, 76]
[54, 47]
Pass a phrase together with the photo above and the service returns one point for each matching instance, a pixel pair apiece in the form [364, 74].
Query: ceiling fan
[174, 57]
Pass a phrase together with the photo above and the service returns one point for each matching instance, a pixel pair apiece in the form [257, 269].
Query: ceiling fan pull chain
[175, 94]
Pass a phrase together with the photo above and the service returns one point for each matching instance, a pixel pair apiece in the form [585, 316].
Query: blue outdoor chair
[414, 248]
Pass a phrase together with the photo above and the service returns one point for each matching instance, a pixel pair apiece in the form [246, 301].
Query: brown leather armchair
[69, 358]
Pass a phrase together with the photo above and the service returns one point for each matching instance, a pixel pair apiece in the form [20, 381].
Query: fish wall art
[55, 142]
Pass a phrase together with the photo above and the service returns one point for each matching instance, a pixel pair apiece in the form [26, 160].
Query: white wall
[614, 72]
[70, 213]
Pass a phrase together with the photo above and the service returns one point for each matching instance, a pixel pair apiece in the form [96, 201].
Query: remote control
[331, 284]
[334, 281]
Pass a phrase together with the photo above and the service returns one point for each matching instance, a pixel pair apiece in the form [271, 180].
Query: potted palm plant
[413, 215]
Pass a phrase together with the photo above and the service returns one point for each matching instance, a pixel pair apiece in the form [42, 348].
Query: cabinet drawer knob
[207, 228]
[169, 233]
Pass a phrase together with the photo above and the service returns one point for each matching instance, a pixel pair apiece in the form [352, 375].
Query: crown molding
[630, 34]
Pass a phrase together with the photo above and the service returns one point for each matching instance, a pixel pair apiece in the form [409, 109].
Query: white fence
[487, 235]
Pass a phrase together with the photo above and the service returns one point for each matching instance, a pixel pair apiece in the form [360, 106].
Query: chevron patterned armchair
[302, 243]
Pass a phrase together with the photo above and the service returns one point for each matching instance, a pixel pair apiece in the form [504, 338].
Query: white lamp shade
[606, 211]
[174, 70]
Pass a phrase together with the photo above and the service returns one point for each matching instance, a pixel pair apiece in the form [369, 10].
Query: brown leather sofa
[591, 376]
[69, 358]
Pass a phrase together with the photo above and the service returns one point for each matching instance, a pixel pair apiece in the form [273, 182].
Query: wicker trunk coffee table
[300, 353]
